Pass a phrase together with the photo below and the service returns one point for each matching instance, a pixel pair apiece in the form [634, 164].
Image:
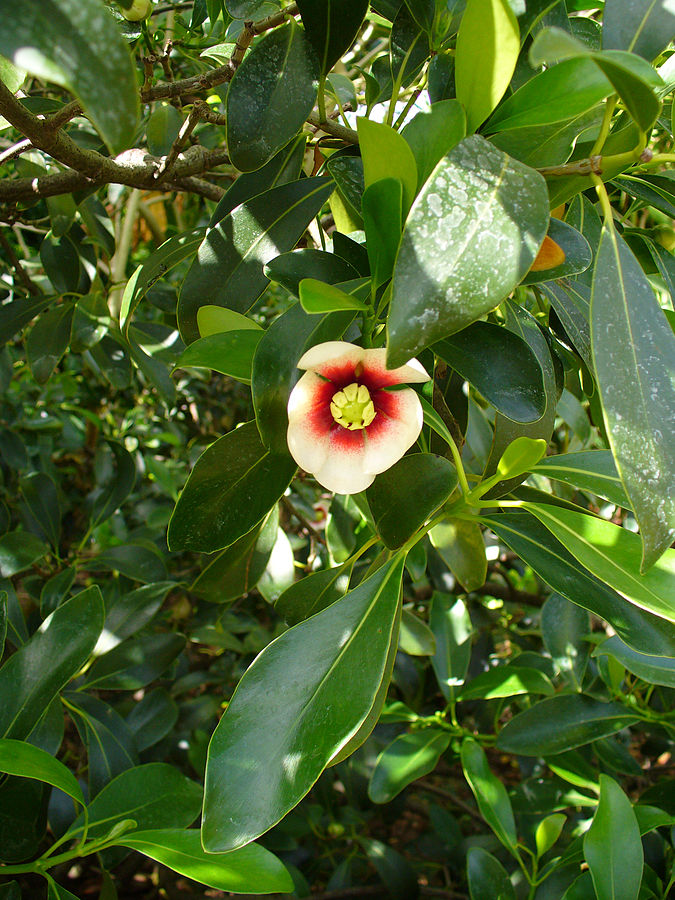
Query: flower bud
[139, 9]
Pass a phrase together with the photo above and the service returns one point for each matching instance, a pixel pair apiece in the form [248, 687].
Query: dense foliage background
[456, 683]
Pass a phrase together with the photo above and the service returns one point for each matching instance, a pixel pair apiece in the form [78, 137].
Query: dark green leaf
[134, 663]
[21, 758]
[633, 347]
[18, 551]
[331, 27]
[116, 486]
[488, 879]
[42, 666]
[506, 681]
[407, 758]
[313, 671]
[395, 872]
[451, 625]
[561, 723]
[232, 487]
[260, 118]
[290, 268]
[643, 29]
[48, 341]
[589, 470]
[23, 818]
[152, 718]
[612, 845]
[3, 621]
[40, 494]
[141, 562]
[578, 254]
[461, 547]
[571, 300]
[402, 498]
[480, 198]
[490, 793]
[230, 352]
[228, 270]
[564, 628]
[381, 208]
[312, 593]
[652, 669]
[77, 45]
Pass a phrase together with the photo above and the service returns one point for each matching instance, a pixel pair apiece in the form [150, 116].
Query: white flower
[343, 426]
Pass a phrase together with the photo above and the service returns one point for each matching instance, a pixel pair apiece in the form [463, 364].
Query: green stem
[610, 106]
[321, 99]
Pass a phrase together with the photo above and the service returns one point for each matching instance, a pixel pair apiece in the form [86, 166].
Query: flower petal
[394, 430]
[377, 375]
[343, 472]
[331, 352]
[310, 421]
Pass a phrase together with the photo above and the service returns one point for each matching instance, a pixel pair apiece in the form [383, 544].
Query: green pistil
[352, 407]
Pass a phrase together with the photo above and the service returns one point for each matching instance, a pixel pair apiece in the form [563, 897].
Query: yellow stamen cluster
[352, 407]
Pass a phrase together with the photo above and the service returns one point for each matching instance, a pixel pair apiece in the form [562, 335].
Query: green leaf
[571, 300]
[381, 208]
[289, 269]
[548, 832]
[462, 549]
[134, 663]
[487, 877]
[12, 78]
[3, 621]
[233, 485]
[402, 498]
[556, 566]
[249, 870]
[578, 254]
[152, 718]
[652, 669]
[77, 45]
[21, 758]
[165, 257]
[41, 496]
[520, 456]
[331, 27]
[506, 681]
[386, 154]
[477, 198]
[162, 128]
[612, 845]
[48, 341]
[557, 94]
[228, 270]
[139, 561]
[317, 297]
[58, 892]
[564, 627]
[312, 593]
[451, 625]
[488, 44]
[407, 758]
[260, 119]
[613, 554]
[16, 314]
[562, 723]
[491, 797]
[416, 638]
[394, 870]
[501, 366]
[313, 670]
[115, 487]
[642, 29]
[228, 352]
[433, 133]
[18, 551]
[633, 346]
[128, 613]
[35, 674]
[217, 320]
[155, 795]
[589, 470]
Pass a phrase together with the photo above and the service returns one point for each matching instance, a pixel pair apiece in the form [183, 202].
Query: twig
[18, 268]
[334, 128]
[15, 150]
[186, 130]
[452, 798]
[590, 166]
[303, 521]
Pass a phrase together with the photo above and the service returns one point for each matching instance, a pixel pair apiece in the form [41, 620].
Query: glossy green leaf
[348, 172]
[461, 546]
[165, 257]
[488, 44]
[251, 869]
[556, 566]
[520, 456]
[501, 366]
[116, 485]
[312, 593]
[433, 133]
[290, 268]
[21, 758]
[77, 45]
[135, 662]
[416, 638]
[612, 845]
[228, 270]
[260, 120]
[331, 27]
[381, 208]
[548, 832]
[451, 625]
[652, 669]
[394, 870]
[571, 300]
[407, 758]
[233, 485]
[155, 795]
[48, 341]
[643, 29]
[491, 797]
[578, 254]
[402, 498]
[18, 313]
[139, 561]
[564, 628]
[152, 718]
[633, 347]
[40, 494]
[228, 352]
[217, 320]
[162, 129]
[487, 877]
[562, 723]
[385, 155]
[613, 554]
[477, 197]
[35, 674]
[289, 745]
[559, 93]
[317, 298]
[589, 470]
[18, 551]
[506, 681]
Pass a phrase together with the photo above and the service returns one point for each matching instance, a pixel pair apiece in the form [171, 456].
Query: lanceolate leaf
[408, 757]
[652, 669]
[76, 44]
[340, 650]
[270, 96]
[477, 205]
[589, 470]
[612, 845]
[229, 352]
[633, 349]
[228, 270]
[641, 28]
[490, 793]
[331, 26]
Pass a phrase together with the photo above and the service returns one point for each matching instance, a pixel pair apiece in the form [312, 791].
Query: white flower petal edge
[329, 352]
[387, 446]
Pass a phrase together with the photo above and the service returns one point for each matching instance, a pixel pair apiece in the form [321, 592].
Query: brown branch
[186, 130]
[334, 128]
[15, 150]
[18, 268]
[591, 166]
